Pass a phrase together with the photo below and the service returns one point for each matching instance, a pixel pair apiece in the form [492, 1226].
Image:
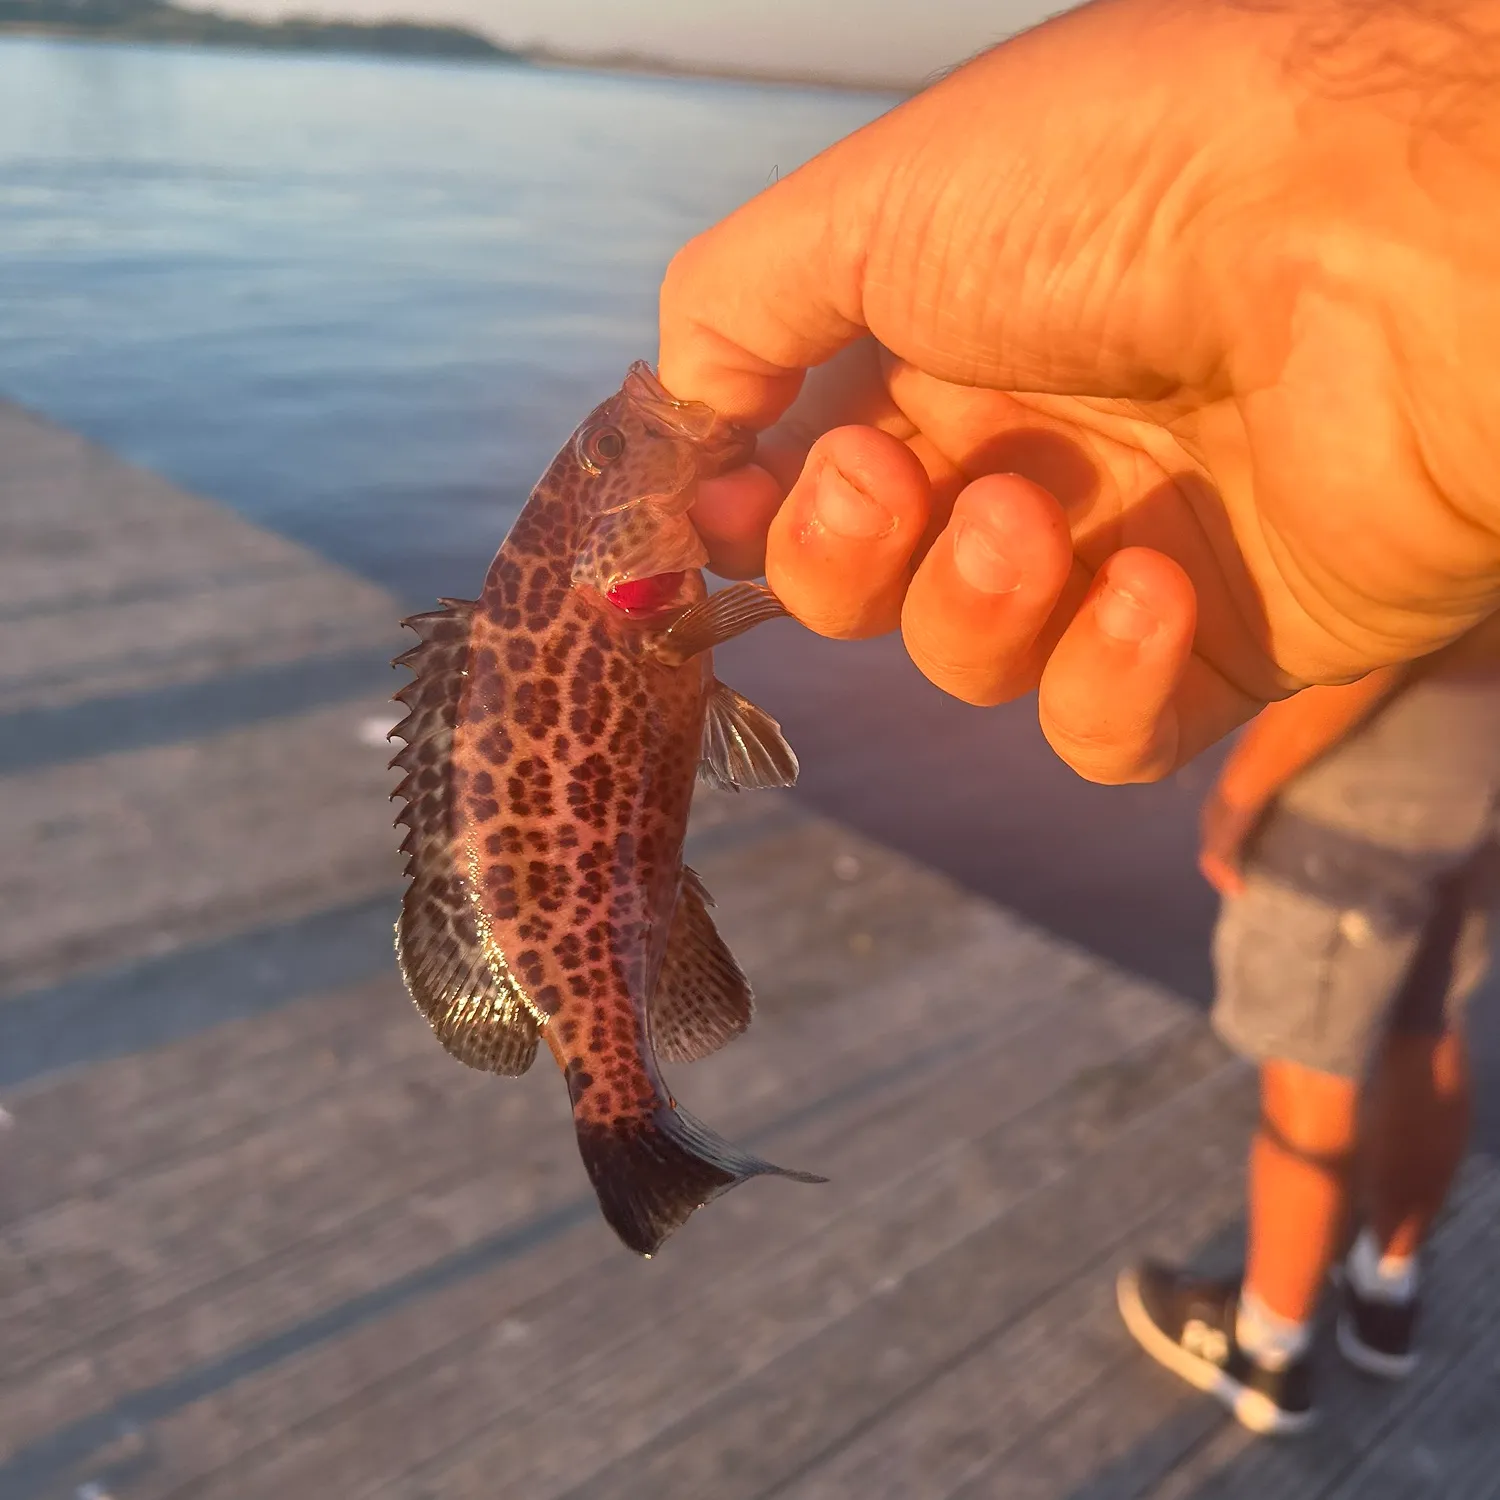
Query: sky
[899, 41]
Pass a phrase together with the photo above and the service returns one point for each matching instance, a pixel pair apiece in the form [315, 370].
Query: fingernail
[846, 511]
[980, 561]
[1122, 616]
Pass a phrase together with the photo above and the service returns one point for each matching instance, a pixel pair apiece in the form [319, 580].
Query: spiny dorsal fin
[702, 997]
[743, 746]
[477, 1014]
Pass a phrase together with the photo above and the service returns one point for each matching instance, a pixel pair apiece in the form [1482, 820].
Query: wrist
[1247, 788]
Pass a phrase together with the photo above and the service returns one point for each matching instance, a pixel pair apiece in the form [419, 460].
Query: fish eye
[606, 445]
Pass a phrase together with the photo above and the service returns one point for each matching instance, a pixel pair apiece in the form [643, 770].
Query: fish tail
[651, 1171]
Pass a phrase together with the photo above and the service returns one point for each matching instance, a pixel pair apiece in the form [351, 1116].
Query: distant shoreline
[661, 68]
[126, 22]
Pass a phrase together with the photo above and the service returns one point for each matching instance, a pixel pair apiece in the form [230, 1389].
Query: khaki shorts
[1369, 889]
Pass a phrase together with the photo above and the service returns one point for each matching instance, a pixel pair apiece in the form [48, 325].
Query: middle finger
[987, 589]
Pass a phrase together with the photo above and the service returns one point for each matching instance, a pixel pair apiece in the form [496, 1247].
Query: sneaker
[1376, 1334]
[1187, 1324]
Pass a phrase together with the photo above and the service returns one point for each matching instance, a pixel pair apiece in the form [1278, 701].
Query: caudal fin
[651, 1173]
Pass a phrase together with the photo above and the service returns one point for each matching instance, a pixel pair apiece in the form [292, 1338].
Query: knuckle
[1109, 758]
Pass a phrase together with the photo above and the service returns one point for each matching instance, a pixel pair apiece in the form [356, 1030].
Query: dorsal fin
[476, 1012]
[702, 998]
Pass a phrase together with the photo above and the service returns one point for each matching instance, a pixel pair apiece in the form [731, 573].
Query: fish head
[642, 455]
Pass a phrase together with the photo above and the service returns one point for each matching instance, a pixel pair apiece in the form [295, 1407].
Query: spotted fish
[555, 728]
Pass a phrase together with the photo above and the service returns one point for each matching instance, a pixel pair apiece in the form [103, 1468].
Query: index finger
[750, 305]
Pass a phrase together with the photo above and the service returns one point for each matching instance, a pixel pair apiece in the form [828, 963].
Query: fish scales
[555, 729]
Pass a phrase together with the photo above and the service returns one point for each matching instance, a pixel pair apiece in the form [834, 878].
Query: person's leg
[1415, 1137]
[1415, 1134]
[1245, 1340]
[1301, 1179]
[1305, 991]
[1250, 1350]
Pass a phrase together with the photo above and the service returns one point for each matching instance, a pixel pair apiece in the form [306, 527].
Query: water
[361, 301]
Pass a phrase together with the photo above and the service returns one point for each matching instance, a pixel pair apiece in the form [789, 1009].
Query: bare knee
[1433, 1064]
[1310, 1115]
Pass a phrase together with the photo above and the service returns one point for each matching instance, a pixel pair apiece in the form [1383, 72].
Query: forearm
[1289, 736]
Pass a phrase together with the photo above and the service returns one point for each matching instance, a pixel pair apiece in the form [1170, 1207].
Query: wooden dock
[260, 1237]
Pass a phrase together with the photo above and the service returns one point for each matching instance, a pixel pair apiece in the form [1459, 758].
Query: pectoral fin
[702, 997]
[743, 746]
[719, 618]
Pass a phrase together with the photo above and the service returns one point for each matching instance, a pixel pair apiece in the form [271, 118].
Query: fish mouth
[718, 444]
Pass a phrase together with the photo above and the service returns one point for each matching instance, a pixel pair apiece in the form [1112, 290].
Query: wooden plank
[79, 525]
[765, 1267]
[79, 1131]
[815, 912]
[1095, 1451]
[1462, 1308]
[761, 943]
[140, 852]
[440, 1071]
[1014, 1381]
[1445, 1446]
[312, 1259]
[90, 1131]
[138, 644]
[1076, 1159]
[115, 581]
[1227, 1450]
[1138, 1431]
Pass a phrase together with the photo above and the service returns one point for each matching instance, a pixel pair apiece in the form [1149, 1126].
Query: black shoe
[1376, 1334]
[1187, 1324]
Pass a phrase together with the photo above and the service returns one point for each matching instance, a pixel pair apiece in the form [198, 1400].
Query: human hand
[1224, 825]
[1167, 337]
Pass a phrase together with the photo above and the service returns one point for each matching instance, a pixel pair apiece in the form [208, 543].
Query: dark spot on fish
[529, 962]
[496, 746]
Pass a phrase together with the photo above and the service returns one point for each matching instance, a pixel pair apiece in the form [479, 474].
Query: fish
[555, 728]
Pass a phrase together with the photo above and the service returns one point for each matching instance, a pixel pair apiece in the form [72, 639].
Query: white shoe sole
[1370, 1361]
[1249, 1408]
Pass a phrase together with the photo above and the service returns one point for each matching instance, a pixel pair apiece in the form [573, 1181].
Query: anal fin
[743, 746]
[702, 997]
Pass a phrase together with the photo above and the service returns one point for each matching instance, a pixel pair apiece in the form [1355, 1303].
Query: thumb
[1021, 225]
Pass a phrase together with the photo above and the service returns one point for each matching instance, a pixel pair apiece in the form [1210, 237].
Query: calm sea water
[361, 301]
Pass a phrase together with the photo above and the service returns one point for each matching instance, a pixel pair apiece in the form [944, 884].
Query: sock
[1272, 1341]
[1386, 1278]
